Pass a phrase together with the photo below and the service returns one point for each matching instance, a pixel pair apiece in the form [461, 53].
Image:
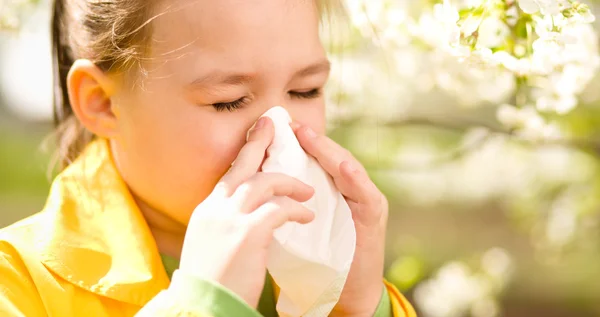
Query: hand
[364, 286]
[229, 234]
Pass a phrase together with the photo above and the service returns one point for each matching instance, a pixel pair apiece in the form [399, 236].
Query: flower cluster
[417, 55]
[538, 55]
[549, 46]
[457, 290]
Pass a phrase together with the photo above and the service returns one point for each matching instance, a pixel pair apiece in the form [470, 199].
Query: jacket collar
[95, 236]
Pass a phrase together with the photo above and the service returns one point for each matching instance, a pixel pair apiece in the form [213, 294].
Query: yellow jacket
[91, 253]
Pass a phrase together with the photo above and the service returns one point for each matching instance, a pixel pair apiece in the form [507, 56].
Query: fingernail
[294, 125]
[260, 123]
[310, 133]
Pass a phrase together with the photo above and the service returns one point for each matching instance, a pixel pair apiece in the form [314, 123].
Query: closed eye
[310, 94]
[230, 106]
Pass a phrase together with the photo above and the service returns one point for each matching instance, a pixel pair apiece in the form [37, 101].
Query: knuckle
[244, 188]
[380, 203]
[261, 181]
[278, 202]
[277, 179]
[287, 206]
[223, 189]
[260, 176]
[290, 187]
[255, 224]
[274, 179]
[205, 214]
[247, 226]
[252, 224]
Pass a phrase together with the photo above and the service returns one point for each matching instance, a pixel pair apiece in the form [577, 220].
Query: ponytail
[71, 136]
[62, 59]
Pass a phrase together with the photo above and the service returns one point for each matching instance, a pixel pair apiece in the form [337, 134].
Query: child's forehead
[237, 31]
[209, 21]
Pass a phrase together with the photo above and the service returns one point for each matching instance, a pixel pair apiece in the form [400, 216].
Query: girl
[154, 99]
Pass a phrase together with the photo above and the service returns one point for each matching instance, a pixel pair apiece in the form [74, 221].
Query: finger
[263, 186]
[329, 154]
[349, 175]
[280, 210]
[250, 157]
[357, 186]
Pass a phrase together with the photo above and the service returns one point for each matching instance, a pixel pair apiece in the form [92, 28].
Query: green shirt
[213, 299]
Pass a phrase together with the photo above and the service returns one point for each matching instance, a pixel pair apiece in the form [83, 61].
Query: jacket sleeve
[393, 304]
[190, 296]
[400, 306]
[18, 293]
[384, 309]
[186, 296]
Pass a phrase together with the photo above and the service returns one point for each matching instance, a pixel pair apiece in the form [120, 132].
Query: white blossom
[492, 32]
[497, 263]
[528, 121]
[475, 57]
[457, 289]
[447, 15]
[545, 6]
[470, 25]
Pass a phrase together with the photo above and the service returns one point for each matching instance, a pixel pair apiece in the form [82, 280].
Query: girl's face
[214, 68]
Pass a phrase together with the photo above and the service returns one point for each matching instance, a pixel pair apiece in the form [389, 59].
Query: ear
[90, 90]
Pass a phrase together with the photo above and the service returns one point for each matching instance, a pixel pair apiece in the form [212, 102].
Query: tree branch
[462, 126]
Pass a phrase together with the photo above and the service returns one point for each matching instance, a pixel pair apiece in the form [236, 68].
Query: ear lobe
[90, 91]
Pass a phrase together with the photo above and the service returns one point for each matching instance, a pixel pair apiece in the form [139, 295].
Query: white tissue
[310, 262]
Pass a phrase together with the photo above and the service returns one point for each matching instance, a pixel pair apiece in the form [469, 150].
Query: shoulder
[12, 264]
[24, 280]
[20, 242]
[24, 233]
[16, 244]
[19, 267]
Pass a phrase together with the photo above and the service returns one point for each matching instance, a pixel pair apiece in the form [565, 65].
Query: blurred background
[478, 119]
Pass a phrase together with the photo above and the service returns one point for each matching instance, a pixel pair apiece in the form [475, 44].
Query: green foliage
[23, 164]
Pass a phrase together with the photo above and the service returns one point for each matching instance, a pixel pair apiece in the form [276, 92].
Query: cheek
[224, 146]
[312, 116]
[172, 154]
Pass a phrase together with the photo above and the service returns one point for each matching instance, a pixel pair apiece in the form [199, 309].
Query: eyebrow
[323, 66]
[233, 79]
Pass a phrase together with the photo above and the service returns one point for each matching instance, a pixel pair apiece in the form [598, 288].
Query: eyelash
[311, 94]
[230, 106]
[237, 104]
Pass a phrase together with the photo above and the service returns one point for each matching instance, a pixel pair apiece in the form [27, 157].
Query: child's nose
[270, 103]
